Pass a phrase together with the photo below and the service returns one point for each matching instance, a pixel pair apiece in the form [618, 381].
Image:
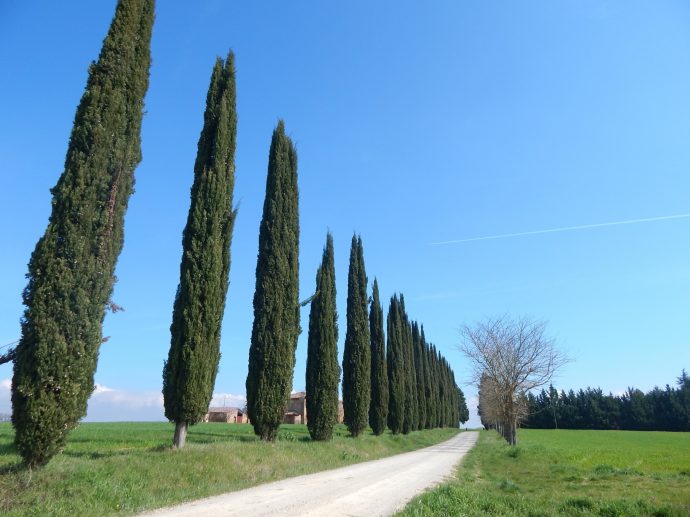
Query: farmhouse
[296, 410]
[228, 415]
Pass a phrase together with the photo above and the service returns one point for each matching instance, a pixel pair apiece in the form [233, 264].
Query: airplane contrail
[564, 229]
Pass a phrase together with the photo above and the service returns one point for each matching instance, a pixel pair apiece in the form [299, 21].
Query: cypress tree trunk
[323, 371]
[378, 409]
[189, 374]
[276, 303]
[71, 271]
[357, 353]
[396, 366]
[180, 437]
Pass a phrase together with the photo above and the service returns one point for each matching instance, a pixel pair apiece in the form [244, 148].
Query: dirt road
[369, 489]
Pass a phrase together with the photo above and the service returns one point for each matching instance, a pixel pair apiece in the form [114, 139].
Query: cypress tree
[396, 368]
[323, 371]
[378, 410]
[411, 407]
[356, 352]
[463, 411]
[441, 392]
[71, 271]
[444, 392]
[419, 371]
[453, 403]
[433, 370]
[427, 380]
[189, 374]
[276, 303]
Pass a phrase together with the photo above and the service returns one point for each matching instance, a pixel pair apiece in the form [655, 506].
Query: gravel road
[379, 487]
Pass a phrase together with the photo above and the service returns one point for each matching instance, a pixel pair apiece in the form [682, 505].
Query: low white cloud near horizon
[113, 405]
[109, 404]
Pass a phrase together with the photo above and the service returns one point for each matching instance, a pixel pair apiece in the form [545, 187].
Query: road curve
[372, 488]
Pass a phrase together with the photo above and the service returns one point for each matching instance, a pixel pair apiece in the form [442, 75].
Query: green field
[122, 468]
[608, 473]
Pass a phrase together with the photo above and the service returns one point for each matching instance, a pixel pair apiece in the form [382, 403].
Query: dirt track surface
[373, 488]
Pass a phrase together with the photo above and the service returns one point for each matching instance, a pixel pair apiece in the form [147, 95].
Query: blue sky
[415, 124]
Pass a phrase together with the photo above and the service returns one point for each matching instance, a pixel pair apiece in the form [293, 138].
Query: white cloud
[111, 405]
[99, 388]
[5, 404]
[228, 400]
[115, 405]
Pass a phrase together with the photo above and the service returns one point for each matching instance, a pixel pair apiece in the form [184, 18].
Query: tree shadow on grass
[97, 455]
[7, 448]
[12, 468]
[202, 437]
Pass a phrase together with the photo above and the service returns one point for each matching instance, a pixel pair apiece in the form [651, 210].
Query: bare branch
[509, 358]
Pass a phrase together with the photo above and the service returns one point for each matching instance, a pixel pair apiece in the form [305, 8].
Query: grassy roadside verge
[123, 468]
[607, 473]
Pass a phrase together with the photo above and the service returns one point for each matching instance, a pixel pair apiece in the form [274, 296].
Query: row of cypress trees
[422, 392]
[408, 387]
[71, 277]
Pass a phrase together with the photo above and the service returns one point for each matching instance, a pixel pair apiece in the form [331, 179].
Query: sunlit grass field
[122, 468]
[608, 473]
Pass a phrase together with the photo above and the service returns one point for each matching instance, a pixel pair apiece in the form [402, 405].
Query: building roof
[298, 395]
[224, 409]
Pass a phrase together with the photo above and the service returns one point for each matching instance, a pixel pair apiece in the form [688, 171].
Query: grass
[123, 468]
[606, 473]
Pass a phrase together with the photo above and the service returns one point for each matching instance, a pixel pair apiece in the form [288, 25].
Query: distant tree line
[661, 409]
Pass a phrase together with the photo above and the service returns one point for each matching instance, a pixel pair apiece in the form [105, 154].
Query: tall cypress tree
[189, 374]
[441, 396]
[323, 370]
[444, 392]
[411, 408]
[419, 371]
[427, 380]
[451, 396]
[71, 271]
[463, 411]
[433, 371]
[396, 367]
[276, 303]
[356, 352]
[378, 409]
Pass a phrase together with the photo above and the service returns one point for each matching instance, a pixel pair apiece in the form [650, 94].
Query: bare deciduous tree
[509, 358]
